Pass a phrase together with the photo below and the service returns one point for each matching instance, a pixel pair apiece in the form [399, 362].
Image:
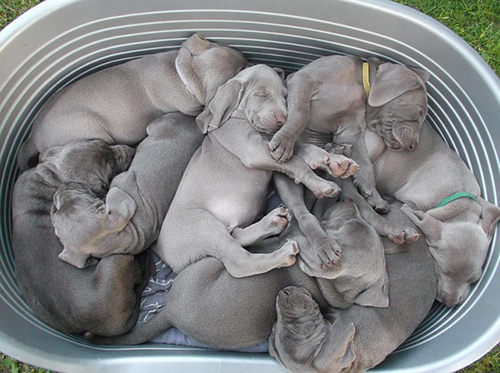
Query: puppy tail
[139, 334]
[28, 155]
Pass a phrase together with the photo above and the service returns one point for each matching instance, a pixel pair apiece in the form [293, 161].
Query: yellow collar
[366, 78]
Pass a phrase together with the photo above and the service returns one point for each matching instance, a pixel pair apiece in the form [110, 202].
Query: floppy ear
[337, 352]
[193, 46]
[424, 75]
[77, 259]
[490, 216]
[120, 208]
[391, 81]
[430, 226]
[375, 296]
[220, 108]
[280, 71]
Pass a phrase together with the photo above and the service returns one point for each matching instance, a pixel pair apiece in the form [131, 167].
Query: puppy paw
[281, 148]
[288, 253]
[324, 188]
[278, 220]
[339, 148]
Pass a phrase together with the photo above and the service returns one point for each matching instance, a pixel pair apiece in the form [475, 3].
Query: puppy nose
[280, 119]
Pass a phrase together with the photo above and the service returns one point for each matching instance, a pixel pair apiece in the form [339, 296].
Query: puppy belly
[236, 210]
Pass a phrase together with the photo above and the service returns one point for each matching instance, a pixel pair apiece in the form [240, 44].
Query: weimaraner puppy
[214, 308]
[358, 338]
[117, 103]
[443, 199]
[330, 97]
[235, 168]
[129, 221]
[103, 299]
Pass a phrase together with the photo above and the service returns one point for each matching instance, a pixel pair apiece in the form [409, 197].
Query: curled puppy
[443, 199]
[116, 104]
[358, 338]
[102, 299]
[304, 341]
[339, 96]
[129, 220]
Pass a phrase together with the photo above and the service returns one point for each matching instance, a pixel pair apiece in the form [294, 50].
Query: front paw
[320, 257]
[400, 236]
[281, 148]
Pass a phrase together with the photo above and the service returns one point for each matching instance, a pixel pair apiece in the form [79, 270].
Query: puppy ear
[120, 208]
[196, 44]
[391, 81]
[220, 108]
[188, 76]
[123, 155]
[280, 71]
[337, 352]
[424, 75]
[77, 259]
[490, 216]
[430, 226]
[377, 295]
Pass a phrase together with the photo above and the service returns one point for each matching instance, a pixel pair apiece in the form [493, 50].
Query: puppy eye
[262, 94]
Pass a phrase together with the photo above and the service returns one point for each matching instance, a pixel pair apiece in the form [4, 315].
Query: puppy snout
[280, 119]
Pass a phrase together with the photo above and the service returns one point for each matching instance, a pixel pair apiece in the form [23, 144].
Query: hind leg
[270, 225]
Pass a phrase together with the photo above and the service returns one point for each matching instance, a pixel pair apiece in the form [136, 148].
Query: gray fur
[326, 99]
[117, 103]
[459, 233]
[358, 338]
[129, 220]
[102, 299]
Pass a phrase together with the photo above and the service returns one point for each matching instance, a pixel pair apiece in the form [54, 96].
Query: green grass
[476, 21]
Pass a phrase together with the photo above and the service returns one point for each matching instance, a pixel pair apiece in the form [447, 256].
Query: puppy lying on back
[102, 299]
[230, 175]
[211, 306]
[117, 103]
[443, 199]
[356, 339]
[129, 221]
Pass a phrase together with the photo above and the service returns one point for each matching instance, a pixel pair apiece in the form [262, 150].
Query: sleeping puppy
[129, 221]
[236, 169]
[356, 339]
[338, 96]
[117, 103]
[102, 299]
[443, 199]
[213, 307]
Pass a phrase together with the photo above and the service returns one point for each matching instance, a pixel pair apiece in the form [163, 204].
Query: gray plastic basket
[59, 41]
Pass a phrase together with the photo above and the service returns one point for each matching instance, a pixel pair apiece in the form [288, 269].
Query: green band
[455, 196]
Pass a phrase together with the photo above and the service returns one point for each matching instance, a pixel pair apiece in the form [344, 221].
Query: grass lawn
[476, 21]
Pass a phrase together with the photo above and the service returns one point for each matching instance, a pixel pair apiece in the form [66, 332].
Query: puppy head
[459, 250]
[86, 225]
[203, 66]
[257, 94]
[303, 341]
[397, 105]
[93, 163]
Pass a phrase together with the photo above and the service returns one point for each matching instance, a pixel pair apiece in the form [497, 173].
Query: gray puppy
[129, 221]
[102, 299]
[211, 306]
[235, 170]
[117, 103]
[443, 199]
[358, 338]
[327, 98]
